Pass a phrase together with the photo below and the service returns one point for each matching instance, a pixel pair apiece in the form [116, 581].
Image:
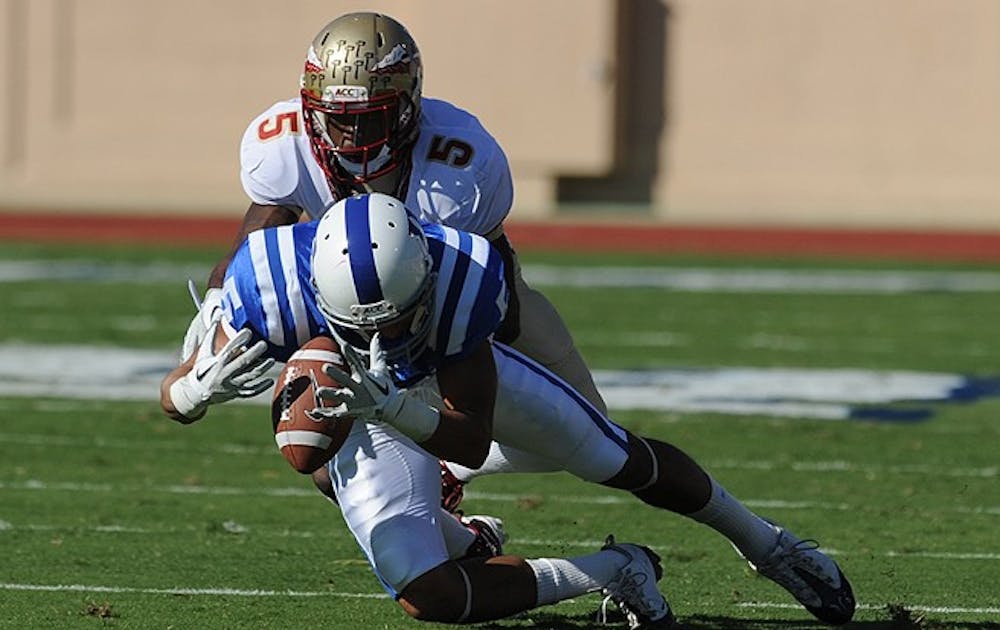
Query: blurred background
[772, 226]
[827, 113]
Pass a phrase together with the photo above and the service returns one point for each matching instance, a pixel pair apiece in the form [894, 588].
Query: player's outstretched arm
[221, 369]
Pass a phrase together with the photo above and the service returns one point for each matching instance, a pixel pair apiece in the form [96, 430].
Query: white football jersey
[460, 176]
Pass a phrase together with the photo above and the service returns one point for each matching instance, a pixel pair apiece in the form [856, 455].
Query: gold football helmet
[361, 96]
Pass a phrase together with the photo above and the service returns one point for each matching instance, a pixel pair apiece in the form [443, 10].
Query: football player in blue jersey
[384, 478]
[414, 308]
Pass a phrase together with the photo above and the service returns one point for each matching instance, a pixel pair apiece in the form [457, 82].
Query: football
[305, 443]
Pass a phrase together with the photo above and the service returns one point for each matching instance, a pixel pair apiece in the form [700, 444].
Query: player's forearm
[218, 275]
[167, 403]
[461, 438]
[468, 394]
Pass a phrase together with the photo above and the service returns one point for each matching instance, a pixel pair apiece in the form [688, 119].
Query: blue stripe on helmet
[359, 248]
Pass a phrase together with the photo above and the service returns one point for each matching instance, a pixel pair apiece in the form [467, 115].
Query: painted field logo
[827, 394]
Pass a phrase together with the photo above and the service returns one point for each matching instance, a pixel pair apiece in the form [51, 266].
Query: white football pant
[389, 489]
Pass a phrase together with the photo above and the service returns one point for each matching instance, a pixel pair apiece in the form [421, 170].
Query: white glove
[368, 393]
[199, 326]
[234, 372]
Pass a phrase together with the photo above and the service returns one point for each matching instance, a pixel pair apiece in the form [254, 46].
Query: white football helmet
[371, 269]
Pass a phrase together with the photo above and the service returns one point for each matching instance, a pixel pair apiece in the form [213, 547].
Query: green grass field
[113, 516]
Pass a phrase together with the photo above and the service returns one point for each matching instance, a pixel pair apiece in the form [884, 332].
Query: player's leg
[502, 586]
[541, 414]
[401, 479]
[545, 338]
[475, 535]
[388, 490]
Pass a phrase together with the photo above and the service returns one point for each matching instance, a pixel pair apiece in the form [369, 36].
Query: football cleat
[810, 576]
[452, 489]
[490, 536]
[634, 589]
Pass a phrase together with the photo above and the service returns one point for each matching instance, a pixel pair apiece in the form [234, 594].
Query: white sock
[751, 534]
[562, 578]
[504, 459]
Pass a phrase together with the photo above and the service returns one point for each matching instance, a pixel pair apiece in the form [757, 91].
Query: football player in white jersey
[361, 124]
[421, 303]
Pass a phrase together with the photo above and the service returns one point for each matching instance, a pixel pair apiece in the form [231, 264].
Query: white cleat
[811, 576]
[634, 589]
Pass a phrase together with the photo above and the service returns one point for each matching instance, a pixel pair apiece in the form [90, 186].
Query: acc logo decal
[349, 93]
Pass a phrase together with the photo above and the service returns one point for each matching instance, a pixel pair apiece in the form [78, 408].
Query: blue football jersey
[268, 289]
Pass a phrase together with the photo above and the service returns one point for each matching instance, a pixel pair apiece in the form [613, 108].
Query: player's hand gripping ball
[307, 444]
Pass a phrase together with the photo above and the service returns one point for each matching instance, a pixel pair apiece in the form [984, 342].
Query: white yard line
[308, 492]
[87, 588]
[670, 278]
[989, 610]
[750, 280]
[239, 529]
[810, 467]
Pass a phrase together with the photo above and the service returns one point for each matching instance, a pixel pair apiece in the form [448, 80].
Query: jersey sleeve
[269, 165]
[241, 304]
[491, 301]
[267, 289]
[473, 295]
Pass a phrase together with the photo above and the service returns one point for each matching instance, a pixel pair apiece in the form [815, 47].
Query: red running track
[952, 246]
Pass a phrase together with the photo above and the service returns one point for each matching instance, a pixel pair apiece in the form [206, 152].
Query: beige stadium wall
[842, 112]
[757, 112]
[140, 104]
